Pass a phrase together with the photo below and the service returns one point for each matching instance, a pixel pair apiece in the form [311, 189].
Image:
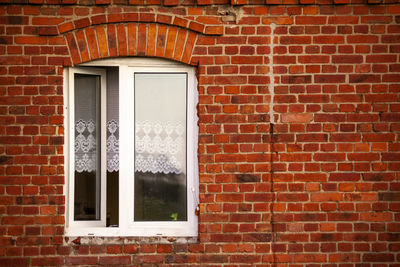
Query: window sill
[137, 229]
[100, 240]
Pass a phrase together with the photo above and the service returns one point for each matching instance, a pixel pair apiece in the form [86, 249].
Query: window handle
[196, 201]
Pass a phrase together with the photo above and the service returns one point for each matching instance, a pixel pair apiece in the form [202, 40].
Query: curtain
[87, 115]
[160, 123]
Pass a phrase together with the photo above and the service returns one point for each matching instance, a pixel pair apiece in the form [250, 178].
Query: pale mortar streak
[271, 85]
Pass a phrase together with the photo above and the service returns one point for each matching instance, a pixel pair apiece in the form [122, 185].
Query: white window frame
[127, 226]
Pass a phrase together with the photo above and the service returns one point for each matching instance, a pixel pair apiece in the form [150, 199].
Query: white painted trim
[66, 142]
[127, 227]
[103, 161]
[70, 151]
[188, 228]
[135, 62]
[127, 147]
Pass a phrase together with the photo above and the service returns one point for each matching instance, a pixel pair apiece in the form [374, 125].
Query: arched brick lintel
[132, 39]
[132, 17]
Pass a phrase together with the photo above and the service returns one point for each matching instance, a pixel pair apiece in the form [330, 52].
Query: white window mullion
[103, 150]
[192, 159]
[70, 118]
[127, 141]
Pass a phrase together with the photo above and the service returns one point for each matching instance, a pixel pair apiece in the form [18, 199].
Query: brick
[34, 40]
[297, 118]
[295, 40]
[390, 78]
[101, 37]
[365, 78]
[122, 42]
[164, 19]
[343, 20]
[132, 39]
[48, 31]
[246, 60]
[112, 41]
[98, 19]
[323, 197]
[362, 39]
[376, 217]
[92, 43]
[189, 47]
[140, 39]
[180, 22]
[213, 30]
[330, 157]
[328, 39]
[171, 39]
[179, 45]
[81, 260]
[378, 257]
[81, 23]
[145, 17]
[82, 45]
[347, 59]
[194, 26]
[130, 249]
[281, 20]
[329, 78]
[115, 260]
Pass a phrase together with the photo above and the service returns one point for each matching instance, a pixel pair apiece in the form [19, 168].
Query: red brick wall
[299, 149]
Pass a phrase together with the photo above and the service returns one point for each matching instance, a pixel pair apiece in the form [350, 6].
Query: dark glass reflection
[160, 197]
[85, 196]
[112, 198]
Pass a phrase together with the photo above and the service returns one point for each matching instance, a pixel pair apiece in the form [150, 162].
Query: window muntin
[124, 79]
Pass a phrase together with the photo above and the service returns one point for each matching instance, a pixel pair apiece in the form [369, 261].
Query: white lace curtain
[86, 98]
[158, 147]
[87, 112]
[112, 121]
[160, 123]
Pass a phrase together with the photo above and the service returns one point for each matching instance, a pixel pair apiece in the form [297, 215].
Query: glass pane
[87, 144]
[112, 147]
[160, 147]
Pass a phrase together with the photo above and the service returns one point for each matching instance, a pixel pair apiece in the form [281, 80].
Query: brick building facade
[299, 121]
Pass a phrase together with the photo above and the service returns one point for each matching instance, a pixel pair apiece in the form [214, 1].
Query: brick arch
[131, 39]
[143, 17]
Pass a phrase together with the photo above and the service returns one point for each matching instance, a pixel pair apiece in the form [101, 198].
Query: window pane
[112, 146]
[87, 144]
[160, 147]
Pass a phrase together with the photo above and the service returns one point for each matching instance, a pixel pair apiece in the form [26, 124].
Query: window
[132, 149]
